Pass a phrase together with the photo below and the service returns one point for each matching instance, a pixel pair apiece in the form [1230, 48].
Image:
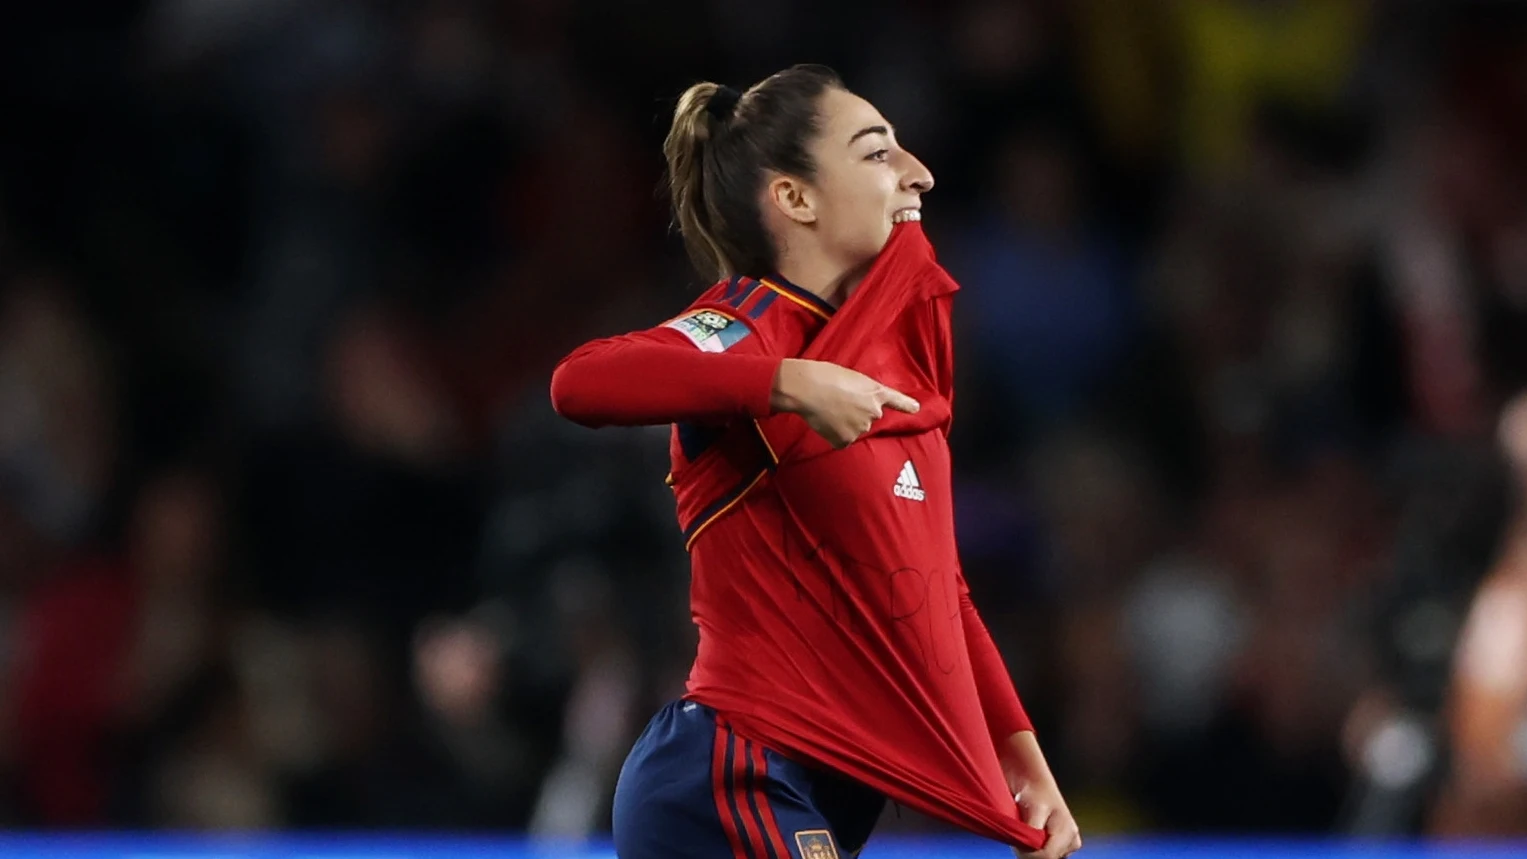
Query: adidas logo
[907, 485]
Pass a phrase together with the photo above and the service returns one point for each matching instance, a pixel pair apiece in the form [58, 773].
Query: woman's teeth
[906, 215]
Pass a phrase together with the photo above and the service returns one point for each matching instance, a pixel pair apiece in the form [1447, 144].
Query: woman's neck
[825, 279]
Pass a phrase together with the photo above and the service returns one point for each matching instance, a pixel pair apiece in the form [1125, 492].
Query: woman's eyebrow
[873, 129]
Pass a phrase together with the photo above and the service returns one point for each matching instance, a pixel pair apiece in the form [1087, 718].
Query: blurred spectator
[1045, 301]
[112, 642]
[1486, 787]
[57, 446]
[1240, 56]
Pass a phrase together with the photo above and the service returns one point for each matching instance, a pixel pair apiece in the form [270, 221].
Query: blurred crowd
[289, 536]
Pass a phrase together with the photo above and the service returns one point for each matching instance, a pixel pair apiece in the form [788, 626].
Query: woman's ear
[792, 198]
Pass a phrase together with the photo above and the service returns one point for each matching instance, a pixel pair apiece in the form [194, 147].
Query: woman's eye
[879, 154]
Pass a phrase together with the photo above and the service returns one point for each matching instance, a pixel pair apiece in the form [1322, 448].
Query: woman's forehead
[845, 115]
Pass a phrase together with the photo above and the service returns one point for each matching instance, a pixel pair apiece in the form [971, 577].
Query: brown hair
[719, 147]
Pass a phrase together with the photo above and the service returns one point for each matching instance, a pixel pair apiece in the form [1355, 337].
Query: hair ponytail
[719, 148]
[694, 127]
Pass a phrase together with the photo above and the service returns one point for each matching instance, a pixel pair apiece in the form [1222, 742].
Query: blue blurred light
[345, 846]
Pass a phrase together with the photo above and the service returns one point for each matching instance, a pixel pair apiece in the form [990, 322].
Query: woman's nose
[918, 177]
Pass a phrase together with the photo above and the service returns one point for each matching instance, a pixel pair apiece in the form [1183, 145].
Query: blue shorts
[693, 789]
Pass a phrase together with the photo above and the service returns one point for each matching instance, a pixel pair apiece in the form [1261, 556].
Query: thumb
[899, 401]
[1037, 816]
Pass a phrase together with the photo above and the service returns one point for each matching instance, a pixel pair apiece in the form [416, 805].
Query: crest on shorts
[711, 330]
[816, 844]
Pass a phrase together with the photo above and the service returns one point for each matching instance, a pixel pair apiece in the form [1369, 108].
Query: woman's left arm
[1038, 797]
[1024, 765]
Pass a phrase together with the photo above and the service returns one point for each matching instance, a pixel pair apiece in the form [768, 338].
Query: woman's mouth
[902, 216]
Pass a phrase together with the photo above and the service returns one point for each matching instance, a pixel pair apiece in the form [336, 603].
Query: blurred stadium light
[340, 846]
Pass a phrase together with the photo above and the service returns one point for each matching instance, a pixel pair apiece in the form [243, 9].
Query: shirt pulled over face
[834, 618]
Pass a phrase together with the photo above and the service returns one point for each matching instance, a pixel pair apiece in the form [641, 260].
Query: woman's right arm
[659, 376]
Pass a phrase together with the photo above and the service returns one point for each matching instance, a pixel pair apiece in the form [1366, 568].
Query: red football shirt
[835, 624]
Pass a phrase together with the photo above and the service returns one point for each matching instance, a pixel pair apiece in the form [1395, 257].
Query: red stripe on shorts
[766, 811]
[719, 784]
[739, 774]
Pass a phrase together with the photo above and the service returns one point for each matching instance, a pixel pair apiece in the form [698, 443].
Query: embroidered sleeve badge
[710, 330]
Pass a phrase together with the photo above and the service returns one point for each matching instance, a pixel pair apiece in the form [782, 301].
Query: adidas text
[907, 485]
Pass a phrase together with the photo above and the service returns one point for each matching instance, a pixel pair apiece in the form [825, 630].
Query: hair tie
[723, 102]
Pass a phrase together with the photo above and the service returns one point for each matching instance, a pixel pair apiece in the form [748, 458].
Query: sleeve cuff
[754, 381]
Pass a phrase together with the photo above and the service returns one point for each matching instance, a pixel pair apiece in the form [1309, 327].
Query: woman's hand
[1043, 808]
[838, 403]
[1039, 799]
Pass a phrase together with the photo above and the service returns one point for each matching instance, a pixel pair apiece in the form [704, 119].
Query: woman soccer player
[841, 661]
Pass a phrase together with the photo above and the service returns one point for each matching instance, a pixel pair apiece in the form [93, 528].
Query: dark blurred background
[289, 536]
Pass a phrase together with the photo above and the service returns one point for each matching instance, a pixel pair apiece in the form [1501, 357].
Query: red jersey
[835, 624]
[716, 461]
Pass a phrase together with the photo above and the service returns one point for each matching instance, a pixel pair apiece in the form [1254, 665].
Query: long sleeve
[1005, 715]
[657, 376]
